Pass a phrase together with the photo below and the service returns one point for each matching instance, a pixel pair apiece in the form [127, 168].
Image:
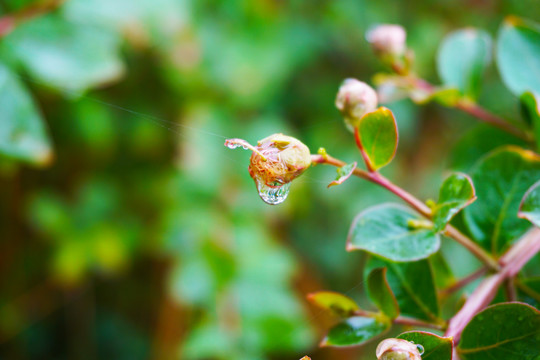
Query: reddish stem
[464, 282]
[369, 166]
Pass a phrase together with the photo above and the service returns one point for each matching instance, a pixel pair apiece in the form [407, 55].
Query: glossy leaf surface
[413, 286]
[336, 303]
[435, 347]
[385, 230]
[379, 136]
[380, 293]
[509, 331]
[518, 55]
[456, 192]
[462, 59]
[501, 178]
[356, 330]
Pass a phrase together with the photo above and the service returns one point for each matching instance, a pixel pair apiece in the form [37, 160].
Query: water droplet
[420, 349]
[232, 145]
[244, 147]
[273, 195]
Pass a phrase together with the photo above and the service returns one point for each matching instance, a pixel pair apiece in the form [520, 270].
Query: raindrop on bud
[387, 39]
[397, 349]
[355, 99]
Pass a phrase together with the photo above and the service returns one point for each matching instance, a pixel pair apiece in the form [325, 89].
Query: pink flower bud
[355, 99]
[397, 349]
[387, 39]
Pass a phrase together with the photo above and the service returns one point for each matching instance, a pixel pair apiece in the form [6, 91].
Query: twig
[416, 204]
[403, 320]
[464, 282]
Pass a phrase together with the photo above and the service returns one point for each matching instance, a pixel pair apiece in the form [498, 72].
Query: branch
[416, 204]
[513, 261]
[9, 22]
[404, 320]
[476, 111]
[464, 282]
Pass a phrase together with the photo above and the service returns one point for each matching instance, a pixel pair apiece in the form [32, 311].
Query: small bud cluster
[388, 40]
[355, 99]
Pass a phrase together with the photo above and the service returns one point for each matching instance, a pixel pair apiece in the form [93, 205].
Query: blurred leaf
[380, 293]
[446, 97]
[379, 136]
[509, 331]
[501, 178]
[462, 58]
[530, 205]
[476, 143]
[456, 192]
[518, 55]
[344, 173]
[530, 106]
[69, 56]
[442, 273]
[22, 131]
[356, 330]
[413, 286]
[336, 303]
[385, 230]
[435, 347]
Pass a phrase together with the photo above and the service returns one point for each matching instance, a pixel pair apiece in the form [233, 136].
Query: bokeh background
[127, 229]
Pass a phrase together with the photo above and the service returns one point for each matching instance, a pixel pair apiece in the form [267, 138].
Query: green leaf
[530, 205]
[501, 178]
[380, 293]
[518, 55]
[336, 303]
[476, 143]
[462, 59]
[509, 331]
[443, 274]
[385, 230]
[435, 347]
[456, 192]
[72, 57]
[413, 286]
[22, 131]
[379, 136]
[530, 105]
[344, 173]
[356, 330]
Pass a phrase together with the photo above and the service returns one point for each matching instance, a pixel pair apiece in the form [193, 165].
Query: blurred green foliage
[142, 236]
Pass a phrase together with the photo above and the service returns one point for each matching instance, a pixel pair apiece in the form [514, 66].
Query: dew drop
[232, 145]
[273, 195]
[420, 349]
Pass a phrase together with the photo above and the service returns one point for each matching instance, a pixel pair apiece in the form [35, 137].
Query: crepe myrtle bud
[276, 161]
[355, 99]
[279, 160]
[387, 39]
[397, 349]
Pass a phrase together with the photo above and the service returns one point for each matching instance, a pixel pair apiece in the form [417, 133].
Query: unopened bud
[279, 160]
[355, 99]
[387, 39]
[397, 349]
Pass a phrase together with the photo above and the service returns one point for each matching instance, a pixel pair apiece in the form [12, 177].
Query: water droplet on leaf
[420, 349]
[273, 195]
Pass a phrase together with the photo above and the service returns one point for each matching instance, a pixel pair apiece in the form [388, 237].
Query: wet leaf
[530, 205]
[336, 303]
[435, 347]
[462, 59]
[380, 293]
[413, 286]
[356, 330]
[509, 331]
[518, 55]
[385, 230]
[456, 192]
[502, 178]
[344, 173]
[379, 136]
[22, 131]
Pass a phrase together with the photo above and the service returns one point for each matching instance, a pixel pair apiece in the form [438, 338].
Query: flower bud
[397, 349]
[355, 99]
[283, 159]
[387, 39]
